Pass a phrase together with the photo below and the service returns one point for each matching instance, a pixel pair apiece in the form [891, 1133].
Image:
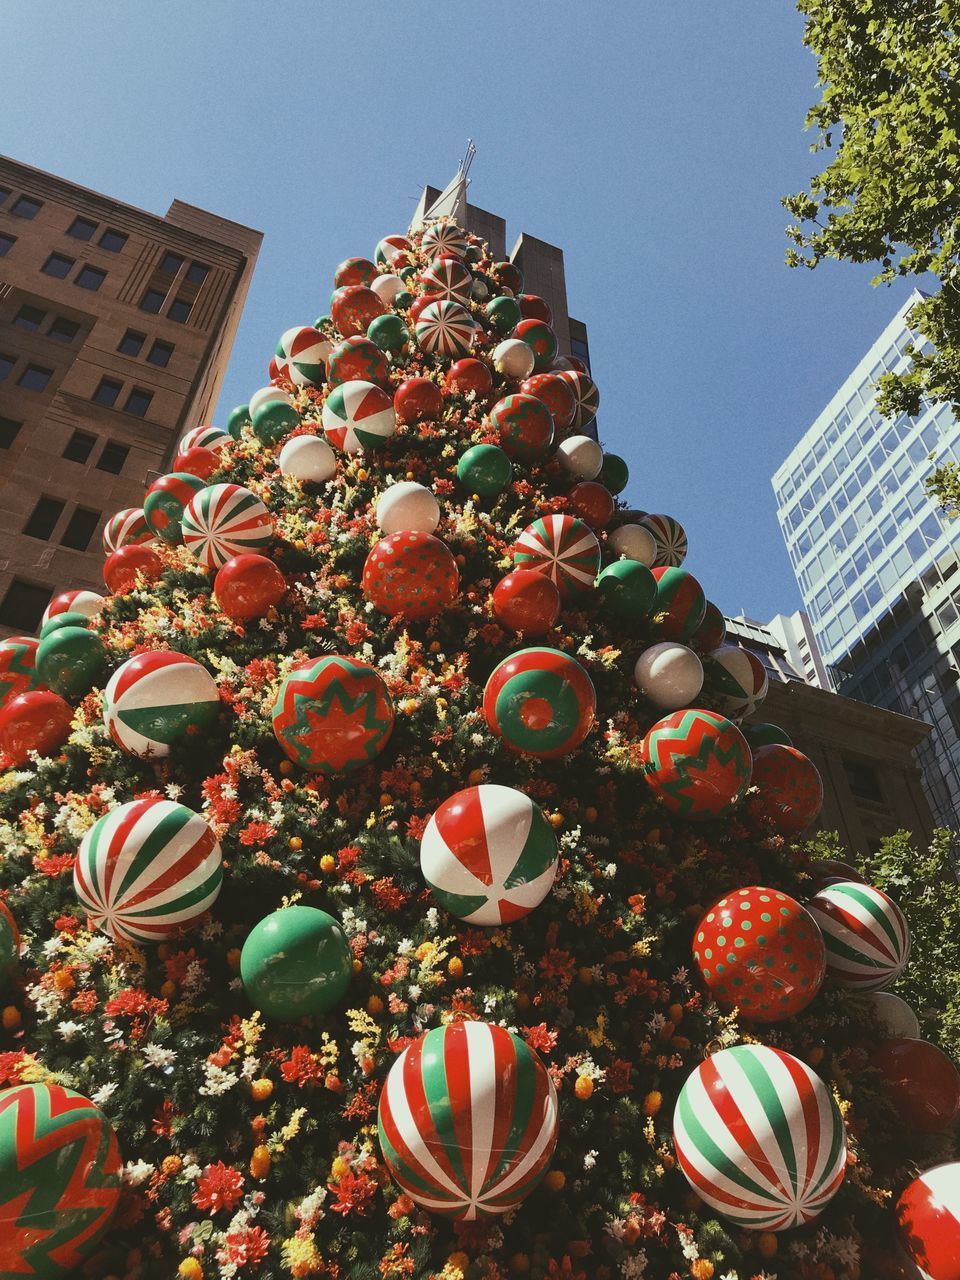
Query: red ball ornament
[199, 461]
[354, 308]
[36, 721]
[418, 305]
[508, 276]
[527, 602]
[248, 586]
[920, 1081]
[928, 1219]
[761, 952]
[417, 400]
[411, 575]
[573, 364]
[556, 394]
[791, 791]
[357, 359]
[534, 308]
[121, 568]
[468, 375]
[593, 503]
[354, 271]
[524, 425]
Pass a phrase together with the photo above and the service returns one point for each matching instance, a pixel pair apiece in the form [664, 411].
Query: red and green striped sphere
[392, 247]
[670, 538]
[736, 678]
[790, 789]
[444, 238]
[679, 605]
[411, 575]
[468, 1120]
[358, 414]
[166, 502]
[586, 397]
[18, 666]
[761, 952]
[445, 329]
[540, 701]
[88, 603]
[541, 340]
[696, 763]
[525, 426]
[206, 437]
[158, 699]
[224, 520]
[563, 548]
[59, 1180]
[127, 528]
[759, 1138]
[447, 279]
[333, 714]
[867, 938]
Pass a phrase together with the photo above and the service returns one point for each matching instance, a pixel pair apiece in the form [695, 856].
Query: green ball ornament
[296, 963]
[503, 314]
[273, 421]
[484, 469]
[324, 323]
[63, 620]
[71, 661]
[614, 473]
[389, 333]
[627, 588]
[238, 419]
[765, 735]
[403, 301]
[407, 273]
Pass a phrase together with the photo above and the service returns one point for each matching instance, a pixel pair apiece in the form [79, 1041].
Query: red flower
[66, 924]
[540, 1038]
[257, 833]
[218, 1187]
[84, 1001]
[618, 1076]
[416, 828]
[247, 1244]
[354, 1194]
[564, 1270]
[557, 967]
[56, 865]
[11, 1065]
[131, 1003]
[303, 1067]
[389, 897]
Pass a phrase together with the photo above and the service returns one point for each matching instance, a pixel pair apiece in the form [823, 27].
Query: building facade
[795, 634]
[876, 561]
[115, 329]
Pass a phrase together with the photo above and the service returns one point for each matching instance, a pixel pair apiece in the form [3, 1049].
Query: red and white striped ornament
[155, 699]
[126, 529]
[224, 520]
[563, 548]
[868, 941]
[204, 438]
[85, 602]
[445, 329]
[447, 279]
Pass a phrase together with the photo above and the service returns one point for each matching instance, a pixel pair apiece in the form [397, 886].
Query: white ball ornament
[634, 542]
[267, 394]
[407, 507]
[669, 674]
[308, 458]
[581, 456]
[895, 1015]
[513, 358]
[387, 287]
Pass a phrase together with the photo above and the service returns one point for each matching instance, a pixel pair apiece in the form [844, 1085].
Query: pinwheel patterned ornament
[444, 238]
[358, 414]
[562, 547]
[696, 763]
[127, 528]
[445, 329]
[447, 279]
[224, 520]
[332, 714]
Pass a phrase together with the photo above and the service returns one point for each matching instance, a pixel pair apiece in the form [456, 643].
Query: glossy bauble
[296, 963]
[445, 329]
[563, 548]
[301, 356]
[535, 308]
[204, 438]
[895, 1016]
[512, 358]
[198, 461]
[18, 666]
[223, 521]
[580, 455]
[760, 734]
[485, 470]
[418, 400]
[540, 701]
[921, 1083]
[790, 789]
[248, 586]
[166, 501]
[868, 941]
[586, 397]
[680, 604]
[524, 426]
[928, 1220]
[387, 288]
[503, 314]
[35, 721]
[389, 334]
[558, 397]
[71, 660]
[273, 421]
[125, 567]
[633, 542]
[592, 503]
[508, 276]
[358, 415]
[359, 359]
[407, 507]
[670, 538]
[736, 677]
[447, 279]
[541, 340]
[627, 588]
[696, 763]
[332, 714]
[86, 602]
[353, 308]
[614, 473]
[444, 239]
[668, 674]
[526, 602]
[308, 459]
[127, 528]
[393, 250]
[470, 376]
[410, 575]
[264, 396]
[712, 631]
[158, 699]
[354, 271]
[237, 419]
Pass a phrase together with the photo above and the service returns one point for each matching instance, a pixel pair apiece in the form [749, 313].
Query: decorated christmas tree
[388, 886]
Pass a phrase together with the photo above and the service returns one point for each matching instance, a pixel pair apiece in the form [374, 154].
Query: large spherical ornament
[409, 507]
[712, 631]
[264, 396]
[503, 314]
[308, 459]
[205, 438]
[332, 714]
[63, 620]
[296, 963]
[445, 329]
[354, 308]
[273, 421]
[668, 674]
[759, 1138]
[928, 1220]
[541, 340]
[354, 271]
[585, 395]
[388, 333]
[489, 855]
[85, 602]
[198, 462]
[304, 351]
[418, 400]
[391, 248]
[524, 425]
[592, 503]
[410, 575]
[468, 1120]
[868, 942]
[759, 734]
[558, 397]
[419, 305]
[237, 419]
[508, 276]
[358, 415]
[791, 790]
[579, 455]
[248, 586]
[71, 660]
[127, 528]
[35, 721]
[680, 604]
[166, 501]
[60, 1173]
[484, 469]
[737, 679]
[147, 869]
[670, 539]
[130, 565]
[563, 548]
[614, 473]
[513, 359]
[696, 763]
[470, 376]
[18, 667]
[157, 699]
[895, 1016]
[535, 308]
[633, 542]
[920, 1082]
[526, 602]
[444, 238]
[761, 952]
[224, 520]
[540, 701]
[358, 360]
[627, 588]
[447, 278]
[387, 287]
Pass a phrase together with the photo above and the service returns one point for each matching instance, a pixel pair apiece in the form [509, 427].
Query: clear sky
[651, 141]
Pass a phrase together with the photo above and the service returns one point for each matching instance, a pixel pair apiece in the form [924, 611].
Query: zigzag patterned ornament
[759, 1138]
[868, 941]
[18, 666]
[156, 699]
[563, 548]
[697, 763]
[147, 869]
[357, 415]
[222, 521]
[468, 1120]
[127, 528]
[332, 714]
[445, 329]
[59, 1180]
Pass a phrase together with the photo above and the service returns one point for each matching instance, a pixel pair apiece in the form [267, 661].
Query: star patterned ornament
[332, 714]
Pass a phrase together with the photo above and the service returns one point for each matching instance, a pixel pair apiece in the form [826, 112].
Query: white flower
[590, 1159]
[154, 1055]
[681, 977]
[217, 1081]
[97, 946]
[432, 919]
[174, 790]
[616, 1227]
[633, 1267]
[68, 1029]
[414, 991]
[404, 947]
[136, 1172]
[51, 947]
[104, 1093]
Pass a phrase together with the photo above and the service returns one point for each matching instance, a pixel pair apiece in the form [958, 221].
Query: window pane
[43, 518]
[197, 273]
[179, 310]
[26, 207]
[138, 402]
[80, 529]
[107, 392]
[9, 429]
[112, 240]
[63, 330]
[863, 781]
[4, 192]
[113, 457]
[79, 446]
[81, 229]
[29, 317]
[131, 343]
[160, 353]
[57, 265]
[171, 264]
[90, 278]
[6, 364]
[6, 244]
[152, 301]
[34, 378]
[23, 605]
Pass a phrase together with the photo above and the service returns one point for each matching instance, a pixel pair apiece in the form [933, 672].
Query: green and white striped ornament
[156, 699]
[224, 520]
[868, 941]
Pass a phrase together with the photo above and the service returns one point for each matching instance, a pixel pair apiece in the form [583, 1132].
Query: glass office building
[876, 561]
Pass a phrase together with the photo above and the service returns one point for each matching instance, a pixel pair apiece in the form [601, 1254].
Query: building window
[43, 519]
[863, 781]
[160, 353]
[58, 266]
[4, 192]
[111, 240]
[197, 272]
[79, 446]
[113, 457]
[171, 264]
[29, 317]
[63, 330]
[81, 229]
[107, 392]
[138, 402]
[90, 278]
[131, 343]
[6, 244]
[180, 310]
[152, 301]
[6, 364]
[23, 605]
[26, 207]
[34, 378]
[80, 529]
[9, 429]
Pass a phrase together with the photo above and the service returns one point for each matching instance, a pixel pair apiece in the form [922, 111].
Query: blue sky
[652, 142]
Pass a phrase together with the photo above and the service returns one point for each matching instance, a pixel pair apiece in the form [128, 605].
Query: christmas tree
[388, 886]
